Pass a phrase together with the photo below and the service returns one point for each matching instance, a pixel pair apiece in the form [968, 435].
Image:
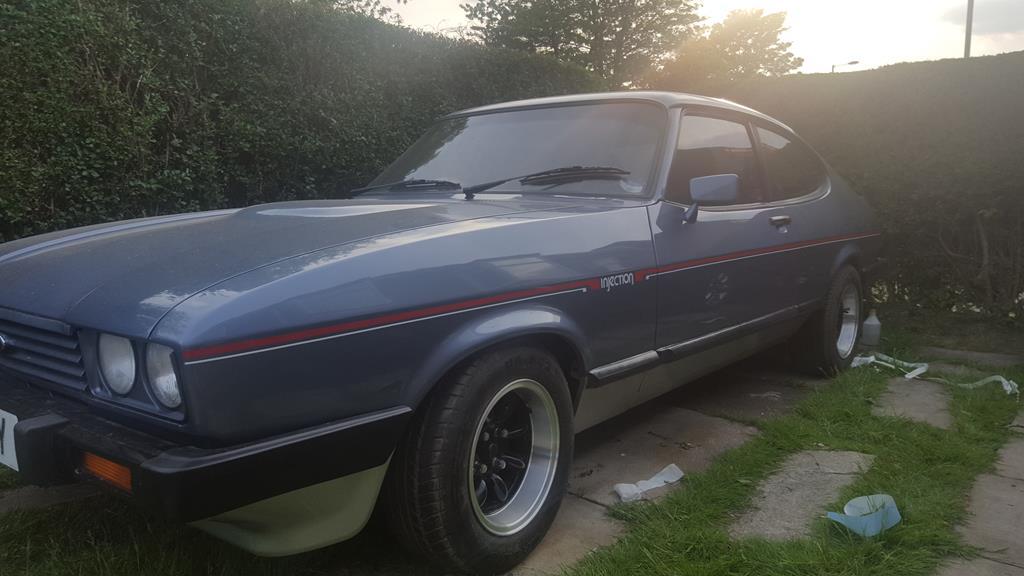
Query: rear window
[793, 170]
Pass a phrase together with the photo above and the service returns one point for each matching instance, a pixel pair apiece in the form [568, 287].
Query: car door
[796, 182]
[720, 273]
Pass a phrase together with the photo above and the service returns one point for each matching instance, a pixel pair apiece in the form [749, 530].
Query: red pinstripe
[253, 344]
[335, 329]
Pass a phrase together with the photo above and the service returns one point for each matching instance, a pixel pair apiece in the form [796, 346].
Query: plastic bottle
[871, 333]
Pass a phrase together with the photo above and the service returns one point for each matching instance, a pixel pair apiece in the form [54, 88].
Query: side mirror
[717, 190]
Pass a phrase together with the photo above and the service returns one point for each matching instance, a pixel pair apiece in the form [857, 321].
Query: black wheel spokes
[514, 462]
[501, 492]
[501, 454]
[481, 491]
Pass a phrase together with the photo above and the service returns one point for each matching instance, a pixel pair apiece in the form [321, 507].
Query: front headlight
[162, 379]
[117, 363]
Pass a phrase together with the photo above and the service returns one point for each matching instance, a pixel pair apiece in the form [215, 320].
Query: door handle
[780, 221]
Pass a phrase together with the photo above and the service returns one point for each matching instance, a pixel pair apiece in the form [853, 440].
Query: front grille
[41, 349]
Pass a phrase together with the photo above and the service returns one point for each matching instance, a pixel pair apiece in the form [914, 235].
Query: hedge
[118, 110]
[123, 109]
[938, 149]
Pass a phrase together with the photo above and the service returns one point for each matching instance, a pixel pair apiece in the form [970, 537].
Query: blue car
[431, 345]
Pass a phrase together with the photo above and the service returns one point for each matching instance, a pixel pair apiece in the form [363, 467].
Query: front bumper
[185, 483]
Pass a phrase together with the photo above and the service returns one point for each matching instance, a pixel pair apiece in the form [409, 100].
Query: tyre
[482, 471]
[826, 342]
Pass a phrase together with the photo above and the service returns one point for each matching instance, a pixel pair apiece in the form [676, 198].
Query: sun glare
[827, 32]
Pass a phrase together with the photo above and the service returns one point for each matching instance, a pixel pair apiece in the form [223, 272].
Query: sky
[827, 32]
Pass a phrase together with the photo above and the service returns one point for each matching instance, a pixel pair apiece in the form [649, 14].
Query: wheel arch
[539, 326]
[849, 255]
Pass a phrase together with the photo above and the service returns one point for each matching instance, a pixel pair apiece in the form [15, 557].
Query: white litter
[632, 492]
[913, 370]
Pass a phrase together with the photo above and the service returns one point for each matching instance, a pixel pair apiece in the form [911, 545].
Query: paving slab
[637, 445]
[992, 359]
[916, 400]
[788, 377]
[996, 508]
[979, 567]
[740, 396]
[579, 528]
[1011, 463]
[1018, 422]
[33, 497]
[790, 500]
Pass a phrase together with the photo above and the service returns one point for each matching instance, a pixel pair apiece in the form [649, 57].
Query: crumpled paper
[631, 492]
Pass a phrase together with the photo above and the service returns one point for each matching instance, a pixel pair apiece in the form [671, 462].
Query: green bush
[116, 110]
[937, 149]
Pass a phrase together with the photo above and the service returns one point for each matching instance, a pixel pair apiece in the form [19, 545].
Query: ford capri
[430, 345]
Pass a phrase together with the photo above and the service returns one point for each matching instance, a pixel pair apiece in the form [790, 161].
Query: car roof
[666, 99]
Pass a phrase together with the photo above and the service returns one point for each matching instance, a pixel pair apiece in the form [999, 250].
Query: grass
[928, 472]
[963, 330]
[8, 479]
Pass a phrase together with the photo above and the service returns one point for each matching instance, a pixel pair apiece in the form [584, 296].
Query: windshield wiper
[566, 173]
[414, 184]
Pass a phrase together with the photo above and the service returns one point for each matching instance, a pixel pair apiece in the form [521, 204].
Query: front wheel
[827, 340]
[481, 475]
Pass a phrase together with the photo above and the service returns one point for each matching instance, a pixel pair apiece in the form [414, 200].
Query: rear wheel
[827, 341]
[481, 475]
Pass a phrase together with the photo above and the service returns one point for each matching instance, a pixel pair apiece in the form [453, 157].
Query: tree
[746, 44]
[374, 8]
[619, 40]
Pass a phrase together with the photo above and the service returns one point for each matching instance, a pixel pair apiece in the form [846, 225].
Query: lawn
[963, 330]
[8, 479]
[928, 472]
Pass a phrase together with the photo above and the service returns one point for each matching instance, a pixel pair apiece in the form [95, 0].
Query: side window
[792, 169]
[710, 146]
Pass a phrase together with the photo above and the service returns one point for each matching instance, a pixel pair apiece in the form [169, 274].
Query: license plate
[7, 456]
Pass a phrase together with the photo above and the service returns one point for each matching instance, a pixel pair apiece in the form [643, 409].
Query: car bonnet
[123, 277]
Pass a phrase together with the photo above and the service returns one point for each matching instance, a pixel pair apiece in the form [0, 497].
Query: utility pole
[970, 27]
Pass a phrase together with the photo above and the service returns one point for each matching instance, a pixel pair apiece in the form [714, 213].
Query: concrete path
[991, 359]
[682, 428]
[638, 445]
[744, 395]
[579, 528]
[917, 400]
[790, 500]
[979, 567]
[1011, 464]
[1018, 423]
[996, 507]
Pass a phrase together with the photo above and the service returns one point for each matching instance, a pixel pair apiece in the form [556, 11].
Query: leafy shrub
[936, 148]
[119, 110]
[123, 109]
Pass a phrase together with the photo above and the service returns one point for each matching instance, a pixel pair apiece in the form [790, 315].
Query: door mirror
[717, 190]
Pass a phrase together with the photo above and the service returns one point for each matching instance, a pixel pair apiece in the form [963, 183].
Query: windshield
[477, 149]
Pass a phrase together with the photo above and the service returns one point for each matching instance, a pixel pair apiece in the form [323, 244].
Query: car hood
[123, 277]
